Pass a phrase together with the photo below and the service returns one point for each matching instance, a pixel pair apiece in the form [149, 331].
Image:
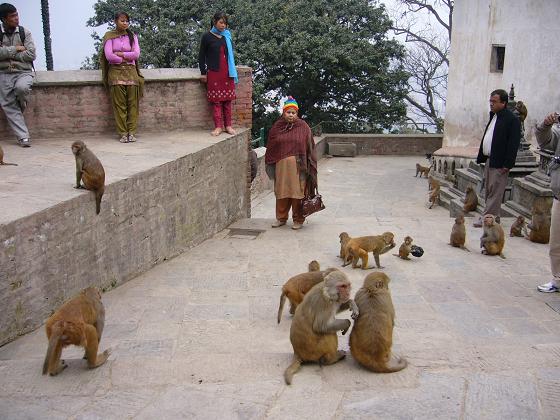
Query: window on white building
[497, 59]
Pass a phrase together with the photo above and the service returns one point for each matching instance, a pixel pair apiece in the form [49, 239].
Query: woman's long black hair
[128, 31]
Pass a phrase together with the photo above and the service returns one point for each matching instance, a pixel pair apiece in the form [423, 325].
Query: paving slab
[197, 337]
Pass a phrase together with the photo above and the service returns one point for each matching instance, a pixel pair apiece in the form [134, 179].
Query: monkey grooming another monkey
[471, 200]
[314, 327]
[358, 248]
[518, 227]
[297, 286]
[371, 338]
[493, 238]
[459, 233]
[405, 248]
[539, 227]
[422, 170]
[2, 159]
[90, 171]
[79, 322]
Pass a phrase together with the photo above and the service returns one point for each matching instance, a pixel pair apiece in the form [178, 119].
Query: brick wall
[389, 144]
[51, 255]
[74, 102]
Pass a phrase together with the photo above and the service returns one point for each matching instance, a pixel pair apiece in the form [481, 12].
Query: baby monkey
[405, 248]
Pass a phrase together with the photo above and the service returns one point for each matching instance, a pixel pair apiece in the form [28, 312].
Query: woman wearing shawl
[119, 67]
[217, 67]
[291, 162]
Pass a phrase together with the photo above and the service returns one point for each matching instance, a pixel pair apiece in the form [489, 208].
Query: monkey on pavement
[458, 233]
[344, 238]
[422, 170]
[539, 227]
[518, 227]
[2, 159]
[297, 286]
[79, 322]
[359, 247]
[471, 200]
[371, 338]
[314, 327]
[433, 197]
[493, 238]
[405, 248]
[89, 170]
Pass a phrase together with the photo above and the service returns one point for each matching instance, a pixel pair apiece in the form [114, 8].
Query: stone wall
[154, 215]
[389, 144]
[75, 103]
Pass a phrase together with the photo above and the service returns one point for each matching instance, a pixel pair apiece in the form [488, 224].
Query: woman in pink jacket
[121, 75]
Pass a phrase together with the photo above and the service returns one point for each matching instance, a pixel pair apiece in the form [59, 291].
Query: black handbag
[312, 202]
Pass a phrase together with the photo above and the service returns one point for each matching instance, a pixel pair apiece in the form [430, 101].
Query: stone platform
[196, 337]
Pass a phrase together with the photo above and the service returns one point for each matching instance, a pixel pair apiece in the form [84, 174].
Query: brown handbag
[312, 202]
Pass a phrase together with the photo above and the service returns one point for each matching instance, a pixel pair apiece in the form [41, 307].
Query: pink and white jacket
[122, 44]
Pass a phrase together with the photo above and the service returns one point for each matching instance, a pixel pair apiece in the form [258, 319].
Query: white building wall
[530, 31]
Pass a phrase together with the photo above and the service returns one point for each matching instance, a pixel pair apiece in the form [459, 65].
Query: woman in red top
[217, 67]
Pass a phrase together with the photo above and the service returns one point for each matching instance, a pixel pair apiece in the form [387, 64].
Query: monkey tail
[292, 369]
[281, 307]
[98, 195]
[54, 342]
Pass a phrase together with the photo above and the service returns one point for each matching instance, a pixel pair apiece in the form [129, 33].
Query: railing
[259, 141]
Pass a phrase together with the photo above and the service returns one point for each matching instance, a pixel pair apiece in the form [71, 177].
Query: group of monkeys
[90, 174]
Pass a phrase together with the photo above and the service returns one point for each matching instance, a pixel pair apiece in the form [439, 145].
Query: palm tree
[47, 33]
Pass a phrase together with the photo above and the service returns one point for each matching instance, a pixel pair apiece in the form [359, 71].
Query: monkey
[371, 338]
[79, 322]
[471, 200]
[344, 237]
[314, 327]
[405, 248]
[359, 247]
[518, 227]
[493, 238]
[2, 159]
[539, 228]
[434, 195]
[313, 266]
[459, 233]
[90, 170]
[522, 110]
[297, 286]
[433, 183]
[422, 170]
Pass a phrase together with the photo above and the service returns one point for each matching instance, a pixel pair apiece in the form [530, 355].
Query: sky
[71, 38]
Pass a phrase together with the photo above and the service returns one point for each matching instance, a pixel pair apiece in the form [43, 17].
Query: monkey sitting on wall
[422, 170]
[314, 327]
[297, 286]
[2, 159]
[539, 227]
[518, 227]
[371, 338]
[458, 233]
[405, 248]
[89, 170]
[471, 200]
[79, 322]
[493, 239]
[358, 248]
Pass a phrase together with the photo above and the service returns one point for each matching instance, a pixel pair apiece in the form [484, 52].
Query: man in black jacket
[498, 149]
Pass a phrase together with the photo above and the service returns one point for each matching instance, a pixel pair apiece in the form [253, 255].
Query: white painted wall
[530, 30]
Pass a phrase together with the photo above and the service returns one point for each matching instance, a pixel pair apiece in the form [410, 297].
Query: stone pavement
[196, 337]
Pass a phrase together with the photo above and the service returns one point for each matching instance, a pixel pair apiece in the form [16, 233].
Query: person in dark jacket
[498, 150]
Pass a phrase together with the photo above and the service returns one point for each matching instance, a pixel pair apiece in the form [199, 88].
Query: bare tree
[426, 26]
[47, 33]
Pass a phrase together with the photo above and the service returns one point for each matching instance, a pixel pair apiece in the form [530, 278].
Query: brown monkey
[90, 170]
[357, 248]
[522, 110]
[471, 200]
[539, 228]
[434, 195]
[405, 248]
[344, 238]
[422, 170]
[458, 233]
[79, 322]
[2, 159]
[313, 266]
[314, 327]
[371, 338]
[493, 238]
[518, 227]
[433, 183]
[297, 286]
